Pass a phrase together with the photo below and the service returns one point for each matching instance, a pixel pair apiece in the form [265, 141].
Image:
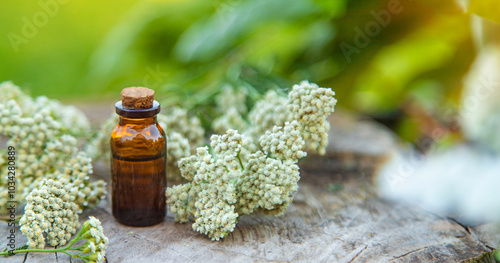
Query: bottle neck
[138, 121]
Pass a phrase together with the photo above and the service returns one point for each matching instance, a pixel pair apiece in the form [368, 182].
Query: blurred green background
[400, 62]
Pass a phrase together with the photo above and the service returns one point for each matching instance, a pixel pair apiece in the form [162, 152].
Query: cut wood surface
[336, 216]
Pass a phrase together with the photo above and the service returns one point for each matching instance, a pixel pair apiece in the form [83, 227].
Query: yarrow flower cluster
[229, 98]
[77, 173]
[284, 142]
[38, 129]
[230, 119]
[230, 103]
[310, 106]
[270, 111]
[268, 185]
[50, 209]
[177, 119]
[213, 186]
[223, 186]
[177, 148]
[307, 103]
[94, 249]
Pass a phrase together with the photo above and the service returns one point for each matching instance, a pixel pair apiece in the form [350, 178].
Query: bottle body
[138, 148]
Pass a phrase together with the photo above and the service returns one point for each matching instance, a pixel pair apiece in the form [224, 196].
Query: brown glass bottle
[138, 147]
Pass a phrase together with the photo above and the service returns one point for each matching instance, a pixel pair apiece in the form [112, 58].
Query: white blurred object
[464, 181]
[480, 112]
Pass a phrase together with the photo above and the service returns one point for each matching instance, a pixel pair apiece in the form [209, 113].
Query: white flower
[57, 221]
[92, 247]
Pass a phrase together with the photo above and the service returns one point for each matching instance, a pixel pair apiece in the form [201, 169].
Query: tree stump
[336, 216]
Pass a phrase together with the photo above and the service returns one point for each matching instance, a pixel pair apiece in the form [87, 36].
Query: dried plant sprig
[222, 186]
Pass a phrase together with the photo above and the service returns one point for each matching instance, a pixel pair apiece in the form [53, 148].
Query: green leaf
[210, 37]
[334, 8]
[383, 85]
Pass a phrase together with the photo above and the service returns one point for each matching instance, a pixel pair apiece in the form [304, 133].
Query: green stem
[71, 255]
[32, 250]
[239, 160]
[80, 247]
[77, 238]
[55, 250]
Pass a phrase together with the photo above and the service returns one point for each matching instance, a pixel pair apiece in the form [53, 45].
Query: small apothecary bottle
[138, 149]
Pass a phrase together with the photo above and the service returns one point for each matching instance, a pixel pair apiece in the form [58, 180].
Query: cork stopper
[137, 98]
